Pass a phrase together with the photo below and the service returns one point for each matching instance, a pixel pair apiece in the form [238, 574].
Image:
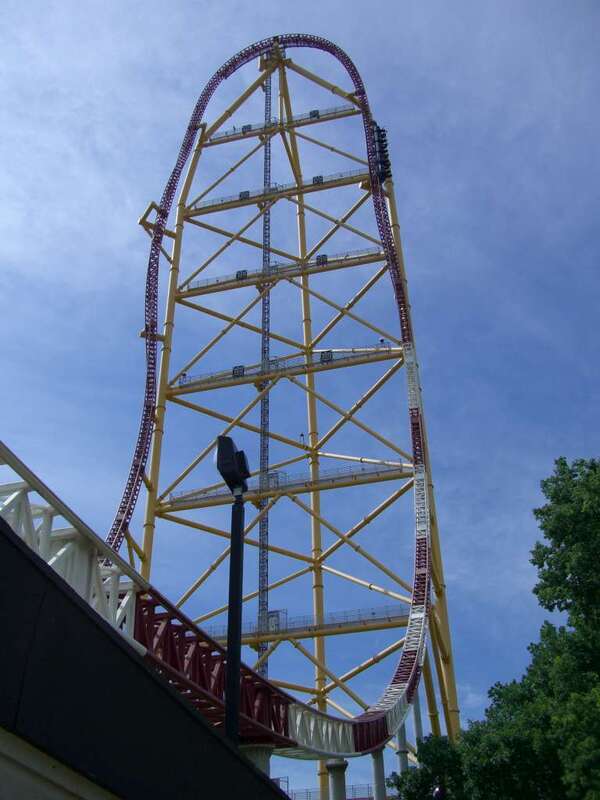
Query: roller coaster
[170, 639]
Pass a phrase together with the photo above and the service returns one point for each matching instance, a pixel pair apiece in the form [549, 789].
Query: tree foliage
[568, 561]
[440, 764]
[540, 738]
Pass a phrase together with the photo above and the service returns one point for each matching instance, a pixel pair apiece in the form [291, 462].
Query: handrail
[317, 180]
[280, 479]
[276, 267]
[261, 126]
[283, 364]
[279, 620]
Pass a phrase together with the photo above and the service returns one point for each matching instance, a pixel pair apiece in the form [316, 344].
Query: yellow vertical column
[444, 664]
[165, 360]
[313, 430]
[315, 497]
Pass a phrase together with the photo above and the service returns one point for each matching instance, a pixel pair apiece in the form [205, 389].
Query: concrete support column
[259, 755]
[402, 749]
[379, 792]
[336, 769]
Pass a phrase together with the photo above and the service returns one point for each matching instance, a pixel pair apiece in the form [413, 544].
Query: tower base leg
[259, 755]
[336, 769]
[378, 776]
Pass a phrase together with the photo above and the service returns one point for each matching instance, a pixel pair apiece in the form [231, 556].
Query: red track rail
[371, 728]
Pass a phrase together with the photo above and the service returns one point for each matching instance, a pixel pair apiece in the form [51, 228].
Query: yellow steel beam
[362, 459]
[312, 418]
[130, 554]
[239, 135]
[199, 526]
[311, 76]
[379, 509]
[202, 455]
[366, 584]
[135, 546]
[309, 486]
[251, 595]
[163, 373]
[442, 642]
[361, 551]
[149, 230]
[237, 237]
[292, 162]
[352, 673]
[350, 304]
[205, 575]
[238, 320]
[340, 223]
[442, 680]
[220, 558]
[268, 652]
[294, 687]
[434, 717]
[354, 317]
[274, 466]
[277, 193]
[347, 416]
[232, 322]
[256, 278]
[323, 668]
[286, 117]
[255, 374]
[238, 423]
[327, 629]
[230, 171]
[331, 148]
[231, 237]
[231, 109]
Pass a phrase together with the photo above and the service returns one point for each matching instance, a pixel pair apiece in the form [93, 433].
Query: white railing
[286, 364]
[280, 622]
[315, 114]
[53, 531]
[275, 188]
[279, 479]
[281, 267]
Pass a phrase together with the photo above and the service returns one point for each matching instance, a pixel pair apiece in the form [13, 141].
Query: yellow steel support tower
[332, 350]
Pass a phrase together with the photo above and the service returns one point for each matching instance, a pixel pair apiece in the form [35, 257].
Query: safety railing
[251, 194]
[68, 545]
[356, 792]
[280, 621]
[280, 479]
[280, 267]
[314, 115]
[283, 365]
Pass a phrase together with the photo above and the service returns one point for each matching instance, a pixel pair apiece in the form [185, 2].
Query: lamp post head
[232, 464]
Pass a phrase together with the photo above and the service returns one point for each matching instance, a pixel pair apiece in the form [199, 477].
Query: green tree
[510, 754]
[440, 763]
[540, 738]
[568, 562]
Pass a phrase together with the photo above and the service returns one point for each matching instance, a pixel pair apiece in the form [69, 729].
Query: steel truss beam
[304, 273]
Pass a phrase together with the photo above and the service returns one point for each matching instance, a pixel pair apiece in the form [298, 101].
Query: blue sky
[491, 110]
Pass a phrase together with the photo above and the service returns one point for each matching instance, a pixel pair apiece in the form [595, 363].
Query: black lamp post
[232, 465]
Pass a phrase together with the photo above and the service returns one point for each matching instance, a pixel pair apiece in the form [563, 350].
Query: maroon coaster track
[371, 729]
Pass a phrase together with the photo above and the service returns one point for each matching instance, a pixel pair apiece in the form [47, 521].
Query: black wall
[72, 686]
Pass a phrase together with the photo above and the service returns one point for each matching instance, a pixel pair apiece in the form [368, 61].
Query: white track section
[394, 700]
[318, 734]
[70, 547]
